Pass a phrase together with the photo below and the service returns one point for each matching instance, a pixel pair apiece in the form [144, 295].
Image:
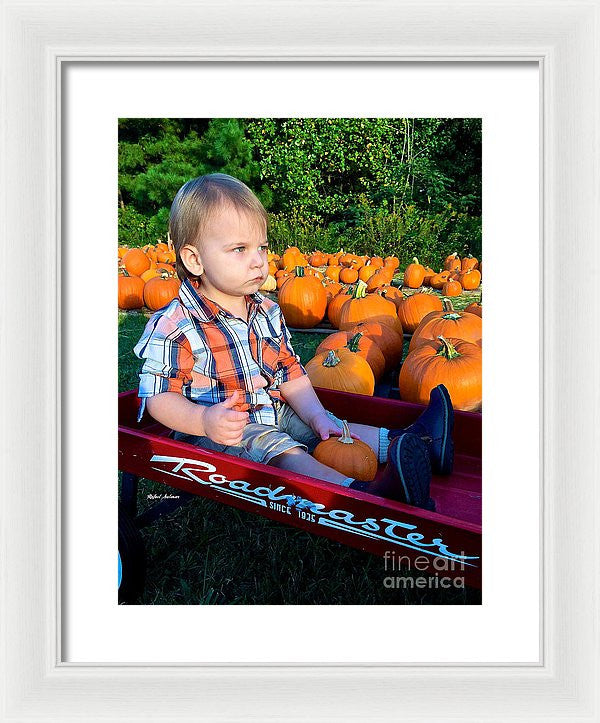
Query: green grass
[210, 553]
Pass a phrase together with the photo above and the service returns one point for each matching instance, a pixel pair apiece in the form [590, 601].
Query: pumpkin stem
[447, 350]
[332, 359]
[415, 260]
[354, 342]
[299, 270]
[452, 315]
[447, 304]
[359, 290]
[346, 437]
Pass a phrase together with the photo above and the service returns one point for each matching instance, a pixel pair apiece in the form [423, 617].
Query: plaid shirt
[195, 347]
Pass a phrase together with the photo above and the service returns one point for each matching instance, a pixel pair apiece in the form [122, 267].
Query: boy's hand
[323, 426]
[223, 424]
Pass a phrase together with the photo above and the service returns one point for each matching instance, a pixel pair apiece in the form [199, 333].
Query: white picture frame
[38, 39]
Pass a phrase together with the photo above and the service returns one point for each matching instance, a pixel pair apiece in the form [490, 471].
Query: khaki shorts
[260, 442]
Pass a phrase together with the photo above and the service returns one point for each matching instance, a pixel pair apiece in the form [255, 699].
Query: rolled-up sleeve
[168, 360]
[288, 362]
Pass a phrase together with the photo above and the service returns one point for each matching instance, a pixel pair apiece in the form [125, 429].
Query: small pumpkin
[160, 291]
[136, 262]
[470, 279]
[348, 275]
[303, 300]
[130, 292]
[317, 258]
[455, 363]
[452, 288]
[414, 275]
[343, 370]
[350, 457]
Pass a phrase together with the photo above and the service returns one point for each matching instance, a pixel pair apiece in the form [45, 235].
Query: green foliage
[402, 186]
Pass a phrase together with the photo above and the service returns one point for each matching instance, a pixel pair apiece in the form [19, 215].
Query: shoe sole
[446, 462]
[411, 460]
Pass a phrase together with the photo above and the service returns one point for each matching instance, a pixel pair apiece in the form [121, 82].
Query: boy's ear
[190, 258]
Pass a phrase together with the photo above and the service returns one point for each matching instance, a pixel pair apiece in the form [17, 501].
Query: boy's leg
[300, 461]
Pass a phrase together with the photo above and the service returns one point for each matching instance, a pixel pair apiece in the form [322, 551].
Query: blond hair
[196, 203]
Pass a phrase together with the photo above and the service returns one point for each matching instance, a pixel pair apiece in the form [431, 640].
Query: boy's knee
[279, 459]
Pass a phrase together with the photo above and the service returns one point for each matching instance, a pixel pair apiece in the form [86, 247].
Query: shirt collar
[206, 310]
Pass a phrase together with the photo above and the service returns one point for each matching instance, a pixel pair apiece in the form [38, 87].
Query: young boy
[219, 368]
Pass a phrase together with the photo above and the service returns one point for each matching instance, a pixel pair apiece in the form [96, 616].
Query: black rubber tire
[133, 559]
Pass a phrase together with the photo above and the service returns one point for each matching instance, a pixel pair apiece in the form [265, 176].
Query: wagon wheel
[132, 559]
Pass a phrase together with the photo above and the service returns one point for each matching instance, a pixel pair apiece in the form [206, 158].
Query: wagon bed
[446, 542]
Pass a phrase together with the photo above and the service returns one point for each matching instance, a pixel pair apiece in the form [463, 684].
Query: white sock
[384, 443]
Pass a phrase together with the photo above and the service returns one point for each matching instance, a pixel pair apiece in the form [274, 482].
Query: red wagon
[446, 543]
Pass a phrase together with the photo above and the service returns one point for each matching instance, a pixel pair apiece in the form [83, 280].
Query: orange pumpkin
[348, 275]
[379, 278]
[450, 324]
[332, 288]
[292, 258]
[303, 300]
[373, 307]
[414, 275]
[359, 344]
[437, 281]
[333, 272]
[318, 258]
[342, 370]
[452, 262]
[455, 363]
[366, 272]
[136, 262]
[413, 309]
[350, 457]
[392, 293]
[474, 308]
[151, 273]
[452, 288]
[334, 308]
[160, 291]
[469, 262]
[389, 341]
[429, 272]
[130, 292]
[281, 277]
[470, 279]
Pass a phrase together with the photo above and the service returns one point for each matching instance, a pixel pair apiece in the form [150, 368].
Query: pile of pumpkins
[308, 293]
[458, 275]
[147, 276]
[445, 346]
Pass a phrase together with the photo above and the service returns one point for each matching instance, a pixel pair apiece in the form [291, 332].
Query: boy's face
[231, 257]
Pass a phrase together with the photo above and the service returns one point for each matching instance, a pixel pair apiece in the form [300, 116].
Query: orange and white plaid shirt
[195, 347]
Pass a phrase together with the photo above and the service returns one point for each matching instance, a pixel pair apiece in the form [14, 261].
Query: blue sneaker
[407, 476]
[435, 426]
